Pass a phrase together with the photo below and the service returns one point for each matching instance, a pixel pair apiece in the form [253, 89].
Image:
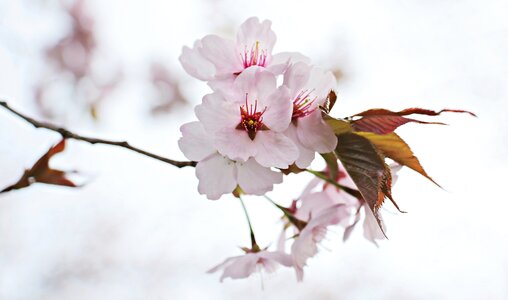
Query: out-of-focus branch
[70, 135]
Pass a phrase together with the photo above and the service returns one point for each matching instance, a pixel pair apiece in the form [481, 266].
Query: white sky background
[140, 230]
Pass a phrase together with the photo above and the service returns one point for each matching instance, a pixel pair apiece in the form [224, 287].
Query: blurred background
[138, 229]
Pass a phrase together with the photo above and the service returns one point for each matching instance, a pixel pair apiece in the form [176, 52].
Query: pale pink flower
[309, 87]
[244, 265]
[305, 245]
[250, 119]
[219, 175]
[219, 60]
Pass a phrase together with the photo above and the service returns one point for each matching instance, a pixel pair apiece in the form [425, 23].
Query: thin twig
[70, 135]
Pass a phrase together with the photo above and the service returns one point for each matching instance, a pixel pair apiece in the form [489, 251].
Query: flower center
[254, 56]
[251, 119]
[302, 105]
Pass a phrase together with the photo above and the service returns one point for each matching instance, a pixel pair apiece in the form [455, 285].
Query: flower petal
[321, 83]
[255, 179]
[371, 230]
[305, 156]
[196, 64]
[274, 149]
[279, 62]
[257, 83]
[216, 176]
[222, 53]
[252, 31]
[215, 113]
[296, 77]
[235, 144]
[241, 267]
[315, 134]
[195, 144]
[278, 110]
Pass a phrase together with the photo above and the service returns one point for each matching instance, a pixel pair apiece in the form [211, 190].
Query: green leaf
[333, 165]
[338, 126]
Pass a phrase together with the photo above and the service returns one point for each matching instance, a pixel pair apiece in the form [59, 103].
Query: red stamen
[251, 119]
[302, 105]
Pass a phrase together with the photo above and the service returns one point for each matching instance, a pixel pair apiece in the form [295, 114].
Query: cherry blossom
[219, 60]
[250, 119]
[314, 232]
[244, 265]
[309, 87]
[252, 178]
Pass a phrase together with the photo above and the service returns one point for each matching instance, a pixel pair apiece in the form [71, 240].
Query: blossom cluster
[264, 117]
[251, 126]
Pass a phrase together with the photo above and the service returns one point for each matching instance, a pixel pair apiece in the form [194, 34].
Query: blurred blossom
[167, 87]
[71, 69]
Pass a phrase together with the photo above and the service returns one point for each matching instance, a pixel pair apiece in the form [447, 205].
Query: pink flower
[243, 266]
[219, 175]
[309, 87]
[305, 245]
[250, 119]
[220, 60]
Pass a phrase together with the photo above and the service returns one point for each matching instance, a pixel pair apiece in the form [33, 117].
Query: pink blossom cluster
[306, 222]
[251, 126]
[262, 117]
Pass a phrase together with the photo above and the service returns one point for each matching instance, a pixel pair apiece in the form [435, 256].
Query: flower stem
[352, 192]
[298, 223]
[255, 246]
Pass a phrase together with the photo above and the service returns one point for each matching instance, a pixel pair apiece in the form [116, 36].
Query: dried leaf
[394, 147]
[41, 172]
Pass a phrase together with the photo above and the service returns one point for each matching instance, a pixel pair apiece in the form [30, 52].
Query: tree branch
[70, 135]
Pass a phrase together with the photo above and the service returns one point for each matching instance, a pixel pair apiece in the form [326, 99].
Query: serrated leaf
[384, 124]
[394, 147]
[338, 126]
[41, 172]
[365, 166]
[409, 111]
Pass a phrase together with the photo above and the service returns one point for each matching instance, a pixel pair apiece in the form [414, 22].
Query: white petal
[279, 62]
[195, 143]
[235, 144]
[196, 64]
[371, 230]
[255, 179]
[321, 83]
[274, 149]
[252, 31]
[216, 114]
[241, 267]
[313, 204]
[305, 156]
[315, 134]
[222, 53]
[279, 109]
[216, 176]
[278, 256]
[296, 76]
[257, 83]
